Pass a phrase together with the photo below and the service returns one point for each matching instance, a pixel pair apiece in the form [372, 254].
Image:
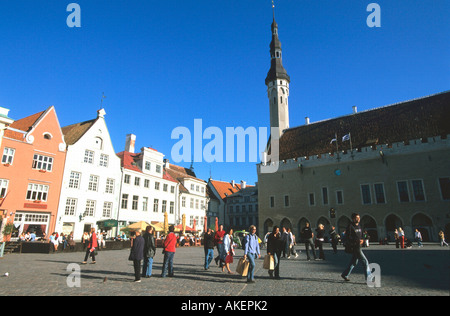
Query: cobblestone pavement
[406, 272]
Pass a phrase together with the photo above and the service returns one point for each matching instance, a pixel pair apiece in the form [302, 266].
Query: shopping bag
[269, 262]
[242, 267]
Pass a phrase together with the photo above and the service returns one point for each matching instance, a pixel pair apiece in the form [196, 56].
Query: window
[134, 205]
[192, 187]
[444, 183]
[312, 199]
[418, 191]
[104, 160]
[286, 200]
[107, 209]
[109, 186]
[379, 193]
[98, 143]
[196, 203]
[365, 192]
[191, 205]
[272, 201]
[8, 156]
[145, 204]
[155, 205]
[137, 181]
[124, 204]
[325, 196]
[165, 187]
[93, 183]
[147, 183]
[158, 168]
[172, 189]
[89, 156]
[90, 208]
[127, 179]
[183, 201]
[147, 165]
[74, 180]
[156, 185]
[42, 162]
[3, 188]
[164, 206]
[71, 206]
[37, 192]
[403, 193]
[340, 197]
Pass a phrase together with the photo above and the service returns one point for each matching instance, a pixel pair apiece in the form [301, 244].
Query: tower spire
[277, 82]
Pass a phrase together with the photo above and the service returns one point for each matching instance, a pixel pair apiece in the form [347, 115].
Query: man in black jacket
[275, 246]
[137, 254]
[307, 236]
[149, 252]
[354, 240]
[208, 244]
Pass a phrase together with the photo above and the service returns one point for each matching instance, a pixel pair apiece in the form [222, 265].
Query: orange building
[33, 154]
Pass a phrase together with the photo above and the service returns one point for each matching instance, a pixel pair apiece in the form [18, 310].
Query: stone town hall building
[393, 167]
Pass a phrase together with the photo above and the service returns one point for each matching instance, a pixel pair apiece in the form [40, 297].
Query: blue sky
[162, 64]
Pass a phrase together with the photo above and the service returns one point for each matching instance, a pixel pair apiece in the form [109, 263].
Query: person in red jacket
[218, 239]
[170, 244]
[92, 245]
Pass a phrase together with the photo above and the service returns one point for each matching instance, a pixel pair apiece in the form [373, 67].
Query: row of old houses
[69, 179]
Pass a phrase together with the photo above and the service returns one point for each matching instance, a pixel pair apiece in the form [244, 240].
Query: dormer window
[48, 136]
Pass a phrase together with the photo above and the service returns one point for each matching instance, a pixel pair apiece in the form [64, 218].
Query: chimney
[166, 163]
[130, 142]
[101, 113]
[232, 183]
[243, 184]
[355, 109]
[307, 120]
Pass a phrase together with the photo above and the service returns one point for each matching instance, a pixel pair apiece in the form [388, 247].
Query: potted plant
[7, 231]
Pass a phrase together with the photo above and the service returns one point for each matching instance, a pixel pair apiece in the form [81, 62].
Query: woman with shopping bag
[228, 247]
[275, 247]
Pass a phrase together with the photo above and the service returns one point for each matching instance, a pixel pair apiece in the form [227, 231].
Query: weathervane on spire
[273, 9]
[101, 101]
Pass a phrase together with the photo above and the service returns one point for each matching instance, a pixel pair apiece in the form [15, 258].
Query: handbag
[242, 267]
[269, 262]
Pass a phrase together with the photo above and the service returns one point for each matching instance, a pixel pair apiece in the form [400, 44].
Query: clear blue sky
[162, 64]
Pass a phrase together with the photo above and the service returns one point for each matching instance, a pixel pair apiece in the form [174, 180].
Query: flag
[346, 137]
[333, 140]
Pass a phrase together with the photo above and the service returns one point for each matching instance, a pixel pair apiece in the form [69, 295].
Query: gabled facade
[192, 199]
[92, 176]
[241, 208]
[33, 155]
[147, 192]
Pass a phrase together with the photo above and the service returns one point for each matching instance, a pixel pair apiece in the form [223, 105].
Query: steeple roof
[277, 70]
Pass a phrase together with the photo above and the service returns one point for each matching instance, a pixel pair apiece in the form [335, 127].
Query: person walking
[92, 245]
[442, 239]
[251, 252]
[85, 240]
[228, 248]
[218, 238]
[354, 240]
[137, 254]
[170, 243]
[401, 237]
[334, 238]
[292, 244]
[149, 251]
[307, 236]
[418, 237]
[274, 248]
[286, 242]
[320, 239]
[208, 244]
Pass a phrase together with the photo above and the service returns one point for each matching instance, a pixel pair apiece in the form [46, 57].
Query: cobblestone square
[407, 272]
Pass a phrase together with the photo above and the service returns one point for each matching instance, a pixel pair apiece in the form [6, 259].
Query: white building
[92, 176]
[147, 192]
[192, 199]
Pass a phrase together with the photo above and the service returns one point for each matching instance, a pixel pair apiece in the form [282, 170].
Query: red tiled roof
[225, 188]
[129, 160]
[26, 123]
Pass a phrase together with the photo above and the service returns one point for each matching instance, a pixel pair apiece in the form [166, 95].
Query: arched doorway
[268, 225]
[392, 223]
[342, 224]
[369, 225]
[424, 224]
[285, 223]
[325, 223]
